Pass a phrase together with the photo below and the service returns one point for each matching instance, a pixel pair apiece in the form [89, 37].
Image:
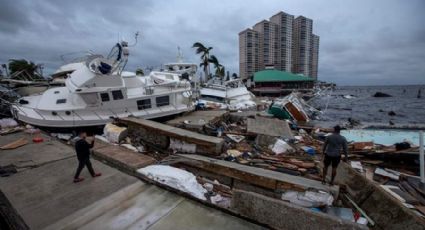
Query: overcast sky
[361, 42]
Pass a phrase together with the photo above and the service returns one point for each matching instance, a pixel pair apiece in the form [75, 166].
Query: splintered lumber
[371, 222]
[408, 188]
[15, 144]
[269, 126]
[253, 175]
[158, 135]
[292, 161]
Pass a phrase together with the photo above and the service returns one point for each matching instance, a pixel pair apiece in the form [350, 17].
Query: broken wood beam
[252, 175]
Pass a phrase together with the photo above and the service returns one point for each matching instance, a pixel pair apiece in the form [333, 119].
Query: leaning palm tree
[22, 65]
[205, 56]
[219, 68]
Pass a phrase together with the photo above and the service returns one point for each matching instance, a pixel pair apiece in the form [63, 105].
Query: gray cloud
[362, 42]
[12, 17]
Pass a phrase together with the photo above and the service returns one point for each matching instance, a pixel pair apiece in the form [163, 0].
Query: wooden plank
[256, 176]
[15, 144]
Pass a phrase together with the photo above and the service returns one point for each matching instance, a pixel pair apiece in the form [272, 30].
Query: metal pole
[421, 155]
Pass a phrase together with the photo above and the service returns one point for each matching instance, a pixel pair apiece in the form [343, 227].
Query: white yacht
[99, 90]
[185, 69]
[230, 94]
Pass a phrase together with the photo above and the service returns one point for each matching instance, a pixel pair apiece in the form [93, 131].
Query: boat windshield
[115, 53]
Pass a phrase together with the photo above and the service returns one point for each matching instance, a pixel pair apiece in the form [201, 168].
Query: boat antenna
[135, 39]
[179, 55]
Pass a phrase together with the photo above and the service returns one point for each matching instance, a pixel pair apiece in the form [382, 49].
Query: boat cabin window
[60, 101]
[162, 101]
[104, 96]
[117, 95]
[144, 104]
[213, 98]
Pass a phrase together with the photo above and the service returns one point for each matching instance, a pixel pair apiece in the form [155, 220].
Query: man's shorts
[334, 160]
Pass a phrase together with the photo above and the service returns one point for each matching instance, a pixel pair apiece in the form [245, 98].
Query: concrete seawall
[387, 212]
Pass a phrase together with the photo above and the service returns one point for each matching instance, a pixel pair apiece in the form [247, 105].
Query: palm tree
[205, 56]
[219, 68]
[139, 71]
[22, 65]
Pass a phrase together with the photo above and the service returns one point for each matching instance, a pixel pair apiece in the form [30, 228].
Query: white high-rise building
[283, 42]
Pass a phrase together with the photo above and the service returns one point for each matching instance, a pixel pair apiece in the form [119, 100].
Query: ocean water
[337, 106]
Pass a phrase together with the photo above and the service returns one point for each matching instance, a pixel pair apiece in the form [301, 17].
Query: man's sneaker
[97, 174]
[79, 179]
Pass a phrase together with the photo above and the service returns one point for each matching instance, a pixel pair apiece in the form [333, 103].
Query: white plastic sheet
[175, 178]
[308, 199]
[7, 122]
[182, 146]
[280, 146]
[113, 133]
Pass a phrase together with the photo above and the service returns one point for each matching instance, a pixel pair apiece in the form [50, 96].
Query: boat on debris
[291, 107]
[187, 70]
[230, 94]
[98, 90]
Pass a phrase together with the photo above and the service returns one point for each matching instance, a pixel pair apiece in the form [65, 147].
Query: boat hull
[85, 121]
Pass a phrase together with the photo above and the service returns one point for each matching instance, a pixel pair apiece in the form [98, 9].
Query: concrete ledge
[158, 135]
[279, 214]
[120, 157]
[385, 210]
[196, 120]
[9, 217]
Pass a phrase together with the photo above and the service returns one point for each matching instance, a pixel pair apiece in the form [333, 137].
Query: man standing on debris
[82, 147]
[332, 151]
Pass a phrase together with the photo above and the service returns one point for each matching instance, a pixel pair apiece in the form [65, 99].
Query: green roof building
[272, 82]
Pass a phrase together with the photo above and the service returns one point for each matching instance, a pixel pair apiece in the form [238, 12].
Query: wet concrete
[46, 193]
[33, 154]
[145, 206]
[45, 196]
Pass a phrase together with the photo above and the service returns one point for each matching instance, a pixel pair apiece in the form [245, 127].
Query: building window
[162, 101]
[104, 96]
[60, 101]
[117, 95]
[144, 104]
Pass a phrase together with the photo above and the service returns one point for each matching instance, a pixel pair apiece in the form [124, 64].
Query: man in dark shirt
[332, 151]
[82, 147]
